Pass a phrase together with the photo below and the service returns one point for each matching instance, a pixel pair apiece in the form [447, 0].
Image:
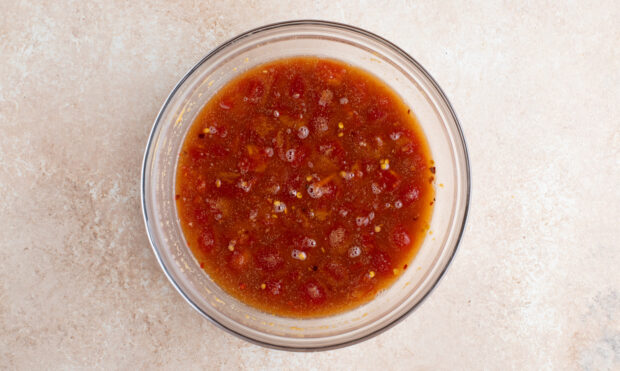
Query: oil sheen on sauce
[304, 187]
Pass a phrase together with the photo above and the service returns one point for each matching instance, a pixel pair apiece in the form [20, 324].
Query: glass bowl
[356, 47]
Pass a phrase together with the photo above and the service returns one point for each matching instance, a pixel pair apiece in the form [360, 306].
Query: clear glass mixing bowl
[356, 47]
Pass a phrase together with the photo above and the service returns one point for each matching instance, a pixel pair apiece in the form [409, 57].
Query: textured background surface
[536, 283]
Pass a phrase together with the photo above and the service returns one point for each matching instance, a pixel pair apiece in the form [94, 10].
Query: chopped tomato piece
[314, 292]
[206, 241]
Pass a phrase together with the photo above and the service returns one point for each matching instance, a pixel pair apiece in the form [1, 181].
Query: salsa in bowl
[305, 185]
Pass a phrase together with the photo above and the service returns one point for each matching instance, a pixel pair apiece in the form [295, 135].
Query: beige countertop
[536, 281]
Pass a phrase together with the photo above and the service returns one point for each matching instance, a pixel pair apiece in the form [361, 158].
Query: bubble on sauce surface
[246, 186]
[375, 188]
[321, 124]
[361, 221]
[326, 97]
[298, 255]
[344, 100]
[309, 242]
[398, 204]
[395, 136]
[274, 287]
[347, 175]
[354, 252]
[276, 113]
[315, 191]
[269, 151]
[413, 194]
[336, 237]
[315, 292]
[303, 132]
[279, 207]
[290, 155]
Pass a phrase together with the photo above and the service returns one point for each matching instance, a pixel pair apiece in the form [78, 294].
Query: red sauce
[304, 187]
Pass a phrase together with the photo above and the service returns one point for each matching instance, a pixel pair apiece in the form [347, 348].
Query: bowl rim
[334, 25]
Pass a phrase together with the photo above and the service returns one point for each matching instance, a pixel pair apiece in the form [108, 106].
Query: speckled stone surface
[535, 285]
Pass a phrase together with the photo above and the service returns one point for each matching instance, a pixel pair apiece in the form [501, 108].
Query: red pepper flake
[405, 266]
[408, 111]
[202, 265]
[201, 135]
[242, 286]
[176, 197]
[432, 169]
